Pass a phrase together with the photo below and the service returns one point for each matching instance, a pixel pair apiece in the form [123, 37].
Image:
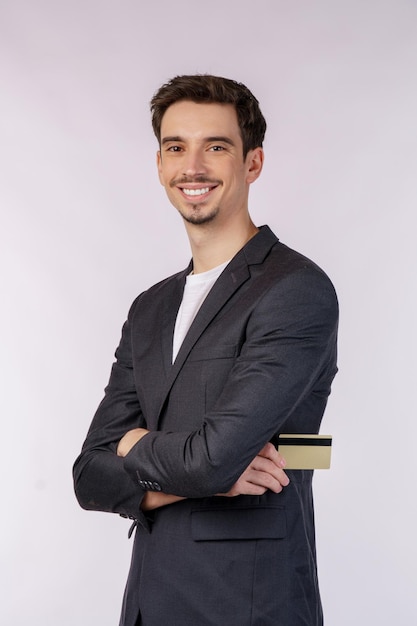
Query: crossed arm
[263, 473]
[290, 351]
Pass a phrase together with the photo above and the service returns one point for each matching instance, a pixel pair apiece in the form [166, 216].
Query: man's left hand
[130, 439]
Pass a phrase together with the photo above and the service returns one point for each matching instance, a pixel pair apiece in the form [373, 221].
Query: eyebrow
[219, 138]
[169, 139]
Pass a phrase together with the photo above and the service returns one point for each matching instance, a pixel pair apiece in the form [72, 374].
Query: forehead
[186, 118]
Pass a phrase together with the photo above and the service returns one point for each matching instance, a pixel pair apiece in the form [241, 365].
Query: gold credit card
[306, 451]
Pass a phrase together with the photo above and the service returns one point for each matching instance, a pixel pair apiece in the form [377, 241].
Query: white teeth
[196, 192]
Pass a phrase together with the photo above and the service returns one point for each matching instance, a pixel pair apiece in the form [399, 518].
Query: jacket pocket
[217, 524]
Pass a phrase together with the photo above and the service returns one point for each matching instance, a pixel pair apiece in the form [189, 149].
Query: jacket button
[157, 487]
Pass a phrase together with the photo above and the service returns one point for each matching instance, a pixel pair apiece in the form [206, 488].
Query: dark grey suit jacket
[257, 361]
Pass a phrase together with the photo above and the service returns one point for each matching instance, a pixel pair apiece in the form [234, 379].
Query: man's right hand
[263, 473]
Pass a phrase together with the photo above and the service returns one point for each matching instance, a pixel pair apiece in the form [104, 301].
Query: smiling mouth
[196, 192]
[195, 188]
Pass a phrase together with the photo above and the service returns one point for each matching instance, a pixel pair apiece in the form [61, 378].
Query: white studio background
[85, 227]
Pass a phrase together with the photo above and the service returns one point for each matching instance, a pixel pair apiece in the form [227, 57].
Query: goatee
[200, 218]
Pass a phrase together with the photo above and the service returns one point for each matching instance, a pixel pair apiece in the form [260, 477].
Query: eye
[217, 148]
[174, 149]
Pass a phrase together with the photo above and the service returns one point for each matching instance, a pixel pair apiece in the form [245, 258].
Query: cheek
[164, 176]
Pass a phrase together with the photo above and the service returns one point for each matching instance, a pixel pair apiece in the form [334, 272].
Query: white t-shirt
[197, 287]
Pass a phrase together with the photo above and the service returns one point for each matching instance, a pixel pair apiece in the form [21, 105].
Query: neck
[211, 246]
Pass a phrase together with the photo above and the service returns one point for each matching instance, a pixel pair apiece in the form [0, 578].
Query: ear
[159, 166]
[254, 163]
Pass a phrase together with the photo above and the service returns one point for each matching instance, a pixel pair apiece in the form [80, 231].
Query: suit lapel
[223, 289]
[232, 278]
[171, 305]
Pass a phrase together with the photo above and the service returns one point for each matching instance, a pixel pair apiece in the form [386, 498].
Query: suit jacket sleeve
[100, 478]
[289, 350]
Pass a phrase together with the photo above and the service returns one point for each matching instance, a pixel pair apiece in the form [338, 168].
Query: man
[213, 364]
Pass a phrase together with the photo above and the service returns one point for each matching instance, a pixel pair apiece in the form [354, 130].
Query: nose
[194, 163]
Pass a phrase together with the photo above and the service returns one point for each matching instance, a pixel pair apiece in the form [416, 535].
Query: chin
[200, 218]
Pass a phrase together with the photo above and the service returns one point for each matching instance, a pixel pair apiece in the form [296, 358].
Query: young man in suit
[213, 364]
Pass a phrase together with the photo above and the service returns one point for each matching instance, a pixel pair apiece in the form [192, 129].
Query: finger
[268, 481]
[264, 465]
[247, 488]
[269, 451]
[271, 480]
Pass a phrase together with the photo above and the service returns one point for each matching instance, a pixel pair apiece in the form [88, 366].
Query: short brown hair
[204, 88]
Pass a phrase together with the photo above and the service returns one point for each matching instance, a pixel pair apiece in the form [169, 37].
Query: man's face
[201, 163]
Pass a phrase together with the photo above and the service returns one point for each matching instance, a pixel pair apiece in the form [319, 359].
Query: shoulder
[167, 289]
[266, 255]
[287, 283]
[282, 264]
